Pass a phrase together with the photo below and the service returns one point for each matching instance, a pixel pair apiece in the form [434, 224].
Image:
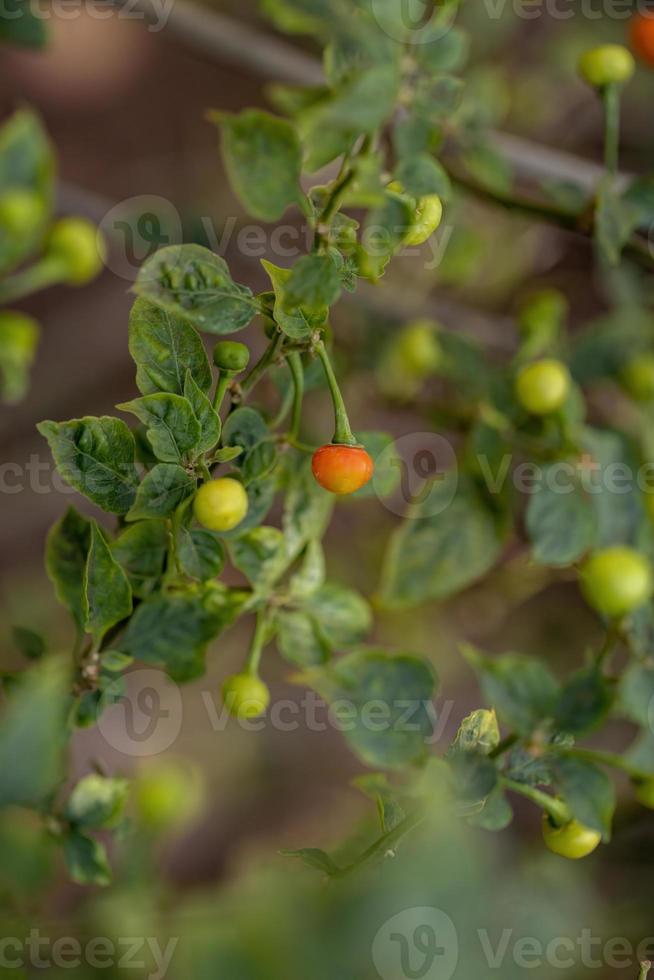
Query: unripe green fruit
[417, 350]
[167, 794]
[606, 65]
[543, 387]
[571, 840]
[19, 334]
[644, 792]
[229, 355]
[545, 307]
[220, 505]
[245, 695]
[80, 246]
[617, 580]
[21, 212]
[637, 377]
[429, 212]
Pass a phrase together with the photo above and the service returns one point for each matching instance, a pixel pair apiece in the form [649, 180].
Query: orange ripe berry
[341, 469]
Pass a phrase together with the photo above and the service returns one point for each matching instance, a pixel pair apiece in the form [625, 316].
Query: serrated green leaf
[263, 159]
[172, 631]
[66, 550]
[96, 456]
[300, 323]
[260, 555]
[200, 553]
[299, 639]
[314, 283]
[163, 489]
[588, 791]
[381, 703]
[421, 175]
[210, 425]
[437, 556]
[520, 688]
[164, 347]
[561, 525]
[107, 592]
[195, 284]
[172, 427]
[584, 702]
[343, 615]
[141, 551]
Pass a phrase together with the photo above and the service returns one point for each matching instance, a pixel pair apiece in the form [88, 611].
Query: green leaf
[636, 694]
[314, 858]
[172, 631]
[210, 425]
[298, 324]
[445, 53]
[478, 731]
[33, 730]
[107, 592]
[561, 523]
[380, 703]
[96, 802]
[27, 164]
[588, 791]
[200, 553]
[96, 456]
[474, 775]
[245, 428]
[164, 347]
[361, 104]
[307, 508]
[299, 639]
[257, 463]
[387, 472]
[520, 688]
[260, 555]
[86, 859]
[343, 615]
[263, 159]
[421, 175]
[437, 556]
[311, 573]
[19, 24]
[66, 550]
[163, 489]
[496, 813]
[194, 283]
[314, 283]
[141, 551]
[172, 428]
[29, 643]
[584, 702]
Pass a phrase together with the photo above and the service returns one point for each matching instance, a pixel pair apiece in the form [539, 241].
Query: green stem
[221, 388]
[645, 967]
[49, 271]
[386, 842]
[294, 362]
[263, 363]
[557, 810]
[257, 643]
[342, 431]
[611, 97]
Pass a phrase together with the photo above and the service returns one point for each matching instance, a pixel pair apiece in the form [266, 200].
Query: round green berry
[543, 387]
[608, 64]
[80, 247]
[617, 580]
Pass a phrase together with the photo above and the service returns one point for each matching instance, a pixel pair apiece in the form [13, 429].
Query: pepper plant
[192, 466]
